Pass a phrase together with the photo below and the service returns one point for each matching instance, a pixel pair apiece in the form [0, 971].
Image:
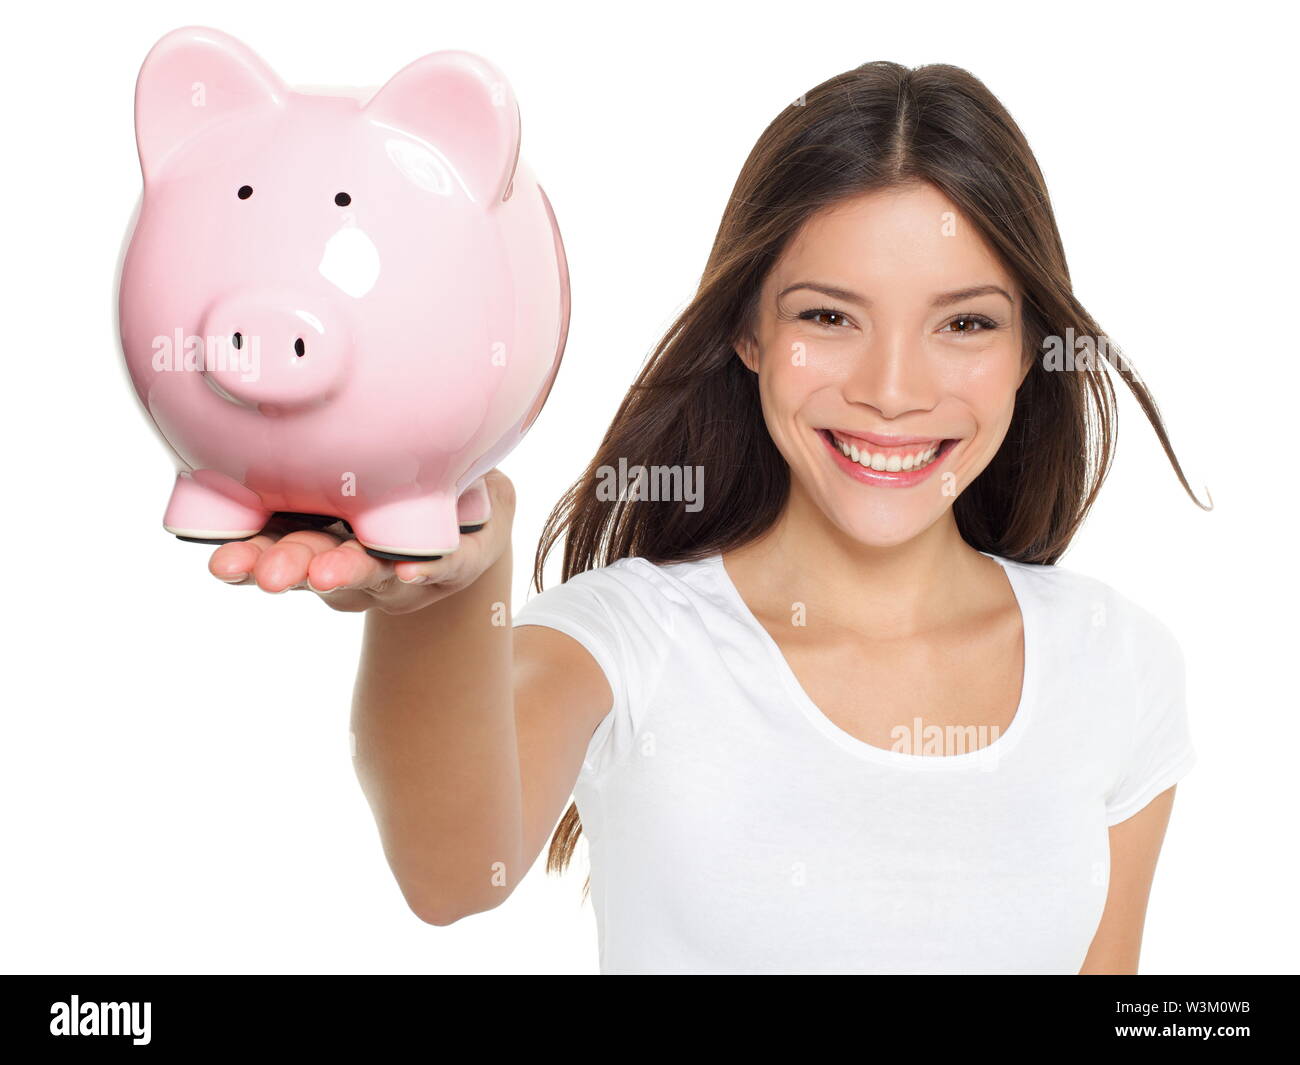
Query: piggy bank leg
[474, 507]
[413, 530]
[207, 507]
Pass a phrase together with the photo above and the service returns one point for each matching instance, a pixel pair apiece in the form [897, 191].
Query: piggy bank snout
[274, 350]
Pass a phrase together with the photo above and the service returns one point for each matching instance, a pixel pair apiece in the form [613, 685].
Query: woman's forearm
[436, 750]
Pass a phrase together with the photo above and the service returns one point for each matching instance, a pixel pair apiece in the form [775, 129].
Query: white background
[176, 792]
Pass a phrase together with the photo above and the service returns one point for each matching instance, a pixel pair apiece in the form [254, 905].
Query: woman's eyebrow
[826, 290]
[944, 299]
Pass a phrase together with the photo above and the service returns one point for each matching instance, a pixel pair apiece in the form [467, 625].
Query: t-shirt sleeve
[623, 615]
[1159, 749]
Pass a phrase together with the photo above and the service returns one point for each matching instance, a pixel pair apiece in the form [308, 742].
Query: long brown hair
[694, 404]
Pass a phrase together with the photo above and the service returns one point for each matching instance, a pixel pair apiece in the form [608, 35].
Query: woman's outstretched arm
[468, 734]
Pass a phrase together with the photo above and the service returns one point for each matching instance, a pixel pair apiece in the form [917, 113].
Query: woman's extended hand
[331, 563]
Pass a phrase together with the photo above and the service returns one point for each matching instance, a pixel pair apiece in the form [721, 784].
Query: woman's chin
[884, 529]
[873, 517]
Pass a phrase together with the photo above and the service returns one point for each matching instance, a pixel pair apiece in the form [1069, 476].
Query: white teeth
[892, 463]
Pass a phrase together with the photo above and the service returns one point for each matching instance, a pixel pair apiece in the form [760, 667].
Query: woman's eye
[970, 323]
[820, 316]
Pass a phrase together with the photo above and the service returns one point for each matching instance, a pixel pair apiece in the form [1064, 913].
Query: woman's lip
[883, 478]
[882, 442]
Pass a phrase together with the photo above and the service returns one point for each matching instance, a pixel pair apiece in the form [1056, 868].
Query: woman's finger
[234, 562]
[346, 567]
[284, 563]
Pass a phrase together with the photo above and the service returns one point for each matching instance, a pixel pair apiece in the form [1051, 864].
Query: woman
[829, 706]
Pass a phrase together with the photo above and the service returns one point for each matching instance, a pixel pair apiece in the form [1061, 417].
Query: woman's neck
[884, 592]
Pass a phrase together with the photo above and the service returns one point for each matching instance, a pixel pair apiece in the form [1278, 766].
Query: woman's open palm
[333, 564]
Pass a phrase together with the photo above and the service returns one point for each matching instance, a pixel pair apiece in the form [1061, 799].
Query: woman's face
[890, 331]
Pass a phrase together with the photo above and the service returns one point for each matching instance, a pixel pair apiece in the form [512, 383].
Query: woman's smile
[897, 462]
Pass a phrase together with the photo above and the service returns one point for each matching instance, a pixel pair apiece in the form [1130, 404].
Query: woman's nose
[892, 374]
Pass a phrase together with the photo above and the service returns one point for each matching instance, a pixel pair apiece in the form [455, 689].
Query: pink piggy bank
[340, 305]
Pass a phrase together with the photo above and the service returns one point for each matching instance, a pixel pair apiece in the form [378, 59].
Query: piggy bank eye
[245, 191]
[342, 199]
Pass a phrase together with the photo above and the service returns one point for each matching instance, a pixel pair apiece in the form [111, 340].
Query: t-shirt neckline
[986, 755]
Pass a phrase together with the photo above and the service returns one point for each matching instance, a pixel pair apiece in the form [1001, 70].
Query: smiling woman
[893, 473]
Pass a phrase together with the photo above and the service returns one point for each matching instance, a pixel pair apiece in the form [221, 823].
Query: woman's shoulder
[1082, 600]
[631, 585]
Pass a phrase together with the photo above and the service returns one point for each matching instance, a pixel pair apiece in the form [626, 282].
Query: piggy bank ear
[191, 78]
[461, 105]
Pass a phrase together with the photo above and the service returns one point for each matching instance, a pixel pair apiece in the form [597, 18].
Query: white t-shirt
[733, 828]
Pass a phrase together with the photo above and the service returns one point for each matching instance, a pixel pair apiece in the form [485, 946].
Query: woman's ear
[746, 348]
[1030, 357]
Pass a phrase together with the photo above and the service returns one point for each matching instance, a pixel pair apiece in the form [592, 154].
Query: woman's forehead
[911, 238]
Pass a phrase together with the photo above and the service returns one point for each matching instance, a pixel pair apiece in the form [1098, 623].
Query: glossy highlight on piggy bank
[336, 304]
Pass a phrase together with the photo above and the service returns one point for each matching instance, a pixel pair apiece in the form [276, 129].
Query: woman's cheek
[990, 398]
[986, 380]
[796, 366]
[808, 363]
